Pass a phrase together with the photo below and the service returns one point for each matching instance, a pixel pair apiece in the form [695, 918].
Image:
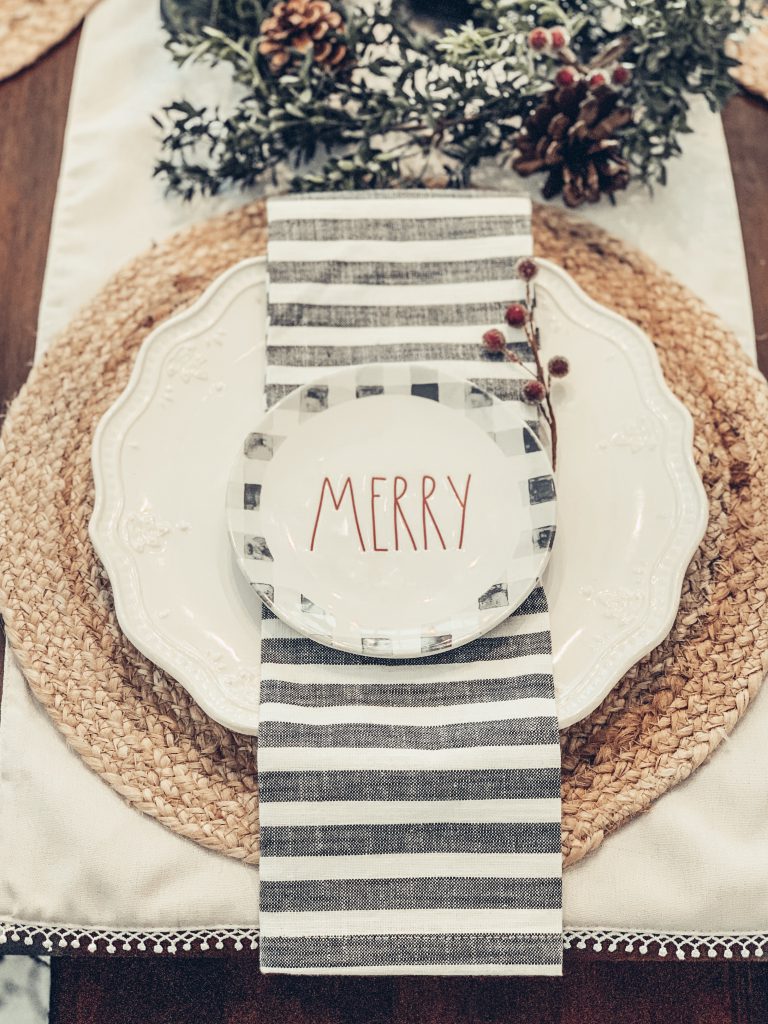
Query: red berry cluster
[540, 39]
[568, 76]
[555, 41]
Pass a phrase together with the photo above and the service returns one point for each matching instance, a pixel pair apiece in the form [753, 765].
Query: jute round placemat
[29, 28]
[140, 731]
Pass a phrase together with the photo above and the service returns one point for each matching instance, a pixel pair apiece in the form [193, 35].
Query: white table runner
[79, 858]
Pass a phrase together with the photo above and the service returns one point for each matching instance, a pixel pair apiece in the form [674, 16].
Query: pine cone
[296, 26]
[570, 134]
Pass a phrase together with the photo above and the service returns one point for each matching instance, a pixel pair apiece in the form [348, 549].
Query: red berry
[494, 340]
[526, 268]
[597, 80]
[534, 391]
[538, 39]
[558, 366]
[621, 74]
[565, 77]
[516, 315]
[558, 37]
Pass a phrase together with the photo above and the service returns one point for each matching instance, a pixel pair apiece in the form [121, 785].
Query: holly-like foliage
[415, 108]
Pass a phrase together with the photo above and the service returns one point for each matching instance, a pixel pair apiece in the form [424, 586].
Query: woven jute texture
[141, 732]
[29, 28]
[753, 54]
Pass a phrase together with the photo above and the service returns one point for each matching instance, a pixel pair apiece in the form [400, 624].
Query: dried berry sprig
[536, 391]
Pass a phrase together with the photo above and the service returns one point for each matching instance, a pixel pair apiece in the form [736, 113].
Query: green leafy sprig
[421, 109]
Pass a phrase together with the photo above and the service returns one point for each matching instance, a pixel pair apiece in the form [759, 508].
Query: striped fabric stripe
[410, 814]
[396, 672]
[394, 713]
[331, 895]
[299, 650]
[361, 812]
[423, 837]
[402, 352]
[352, 251]
[298, 314]
[407, 922]
[395, 785]
[403, 229]
[393, 865]
[426, 272]
[401, 695]
[335, 759]
[517, 952]
[508, 731]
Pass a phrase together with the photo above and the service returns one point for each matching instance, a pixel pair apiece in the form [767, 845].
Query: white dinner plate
[631, 508]
[391, 510]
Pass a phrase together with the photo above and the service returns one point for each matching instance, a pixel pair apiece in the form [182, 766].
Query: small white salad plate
[631, 509]
[391, 510]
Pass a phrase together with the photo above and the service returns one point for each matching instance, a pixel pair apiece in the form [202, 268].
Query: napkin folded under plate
[409, 810]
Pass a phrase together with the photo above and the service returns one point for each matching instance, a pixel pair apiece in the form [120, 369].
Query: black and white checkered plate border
[527, 553]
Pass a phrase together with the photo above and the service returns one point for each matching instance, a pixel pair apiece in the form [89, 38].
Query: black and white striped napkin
[410, 810]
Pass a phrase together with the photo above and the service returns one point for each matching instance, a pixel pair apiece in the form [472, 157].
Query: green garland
[414, 110]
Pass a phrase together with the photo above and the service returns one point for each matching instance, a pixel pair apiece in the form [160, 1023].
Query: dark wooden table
[229, 990]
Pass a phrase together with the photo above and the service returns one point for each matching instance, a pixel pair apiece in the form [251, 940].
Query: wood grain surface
[228, 990]
[746, 130]
[33, 112]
